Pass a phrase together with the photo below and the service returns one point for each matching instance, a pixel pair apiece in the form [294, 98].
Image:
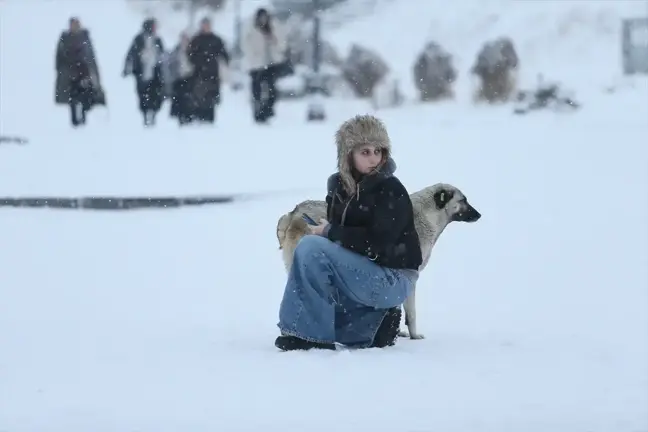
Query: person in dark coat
[206, 51]
[77, 75]
[144, 61]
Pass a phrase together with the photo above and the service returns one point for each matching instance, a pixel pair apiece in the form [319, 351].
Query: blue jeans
[336, 295]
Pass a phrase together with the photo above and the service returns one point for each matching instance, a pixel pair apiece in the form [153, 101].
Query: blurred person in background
[264, 48]
[77, 75]
[181, 75]
[144, 61]
[206, 53]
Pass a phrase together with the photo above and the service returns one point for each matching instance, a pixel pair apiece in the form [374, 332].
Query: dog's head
[448, 203]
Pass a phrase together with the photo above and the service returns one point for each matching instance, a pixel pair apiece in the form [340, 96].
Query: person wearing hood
[352, 274]
[144, 61]
[77, 74]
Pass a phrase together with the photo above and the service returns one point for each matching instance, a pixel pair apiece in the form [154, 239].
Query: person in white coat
[264, 49]
[144, 62]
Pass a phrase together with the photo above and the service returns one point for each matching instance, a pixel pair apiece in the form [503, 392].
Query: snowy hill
[536, 317]
[574, 41]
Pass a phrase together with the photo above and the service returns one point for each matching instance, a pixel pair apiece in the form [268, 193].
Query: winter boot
[292, 343]
[388, 330]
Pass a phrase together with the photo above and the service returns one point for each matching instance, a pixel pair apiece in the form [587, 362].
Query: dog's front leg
[404, 333]
[410, 315]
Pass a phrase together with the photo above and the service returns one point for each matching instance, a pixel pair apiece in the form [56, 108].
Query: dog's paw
[403, 333]
[417, 336]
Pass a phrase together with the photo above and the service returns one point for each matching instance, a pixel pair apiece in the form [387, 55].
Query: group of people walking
[191, 70]
[190, 75]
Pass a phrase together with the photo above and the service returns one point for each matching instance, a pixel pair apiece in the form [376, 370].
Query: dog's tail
[282, 227]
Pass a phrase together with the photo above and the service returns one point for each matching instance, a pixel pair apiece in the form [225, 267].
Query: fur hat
[355, 132]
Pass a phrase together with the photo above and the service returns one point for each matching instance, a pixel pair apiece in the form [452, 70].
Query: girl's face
[366, 158]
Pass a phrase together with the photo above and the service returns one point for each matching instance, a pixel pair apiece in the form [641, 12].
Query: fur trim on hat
[355, 132]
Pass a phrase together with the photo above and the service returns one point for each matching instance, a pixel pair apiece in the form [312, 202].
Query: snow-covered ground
[536, 317]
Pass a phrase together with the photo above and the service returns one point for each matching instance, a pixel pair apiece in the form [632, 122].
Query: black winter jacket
[377, 221]
[133, 63]
[204, 52]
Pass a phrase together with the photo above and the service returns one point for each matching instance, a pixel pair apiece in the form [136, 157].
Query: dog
[434, 207]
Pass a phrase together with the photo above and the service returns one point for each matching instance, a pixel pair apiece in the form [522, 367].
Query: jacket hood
[355, 132]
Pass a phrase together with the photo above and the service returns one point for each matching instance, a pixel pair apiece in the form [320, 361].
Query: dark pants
[181, 106]
[264, 93]
[149, 94]
[206, 96]
[80, 100]
[207, 115]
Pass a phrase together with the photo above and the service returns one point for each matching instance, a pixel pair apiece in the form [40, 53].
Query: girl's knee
[311, 244]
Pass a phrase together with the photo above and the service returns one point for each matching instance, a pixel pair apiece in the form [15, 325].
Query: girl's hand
[318, 229]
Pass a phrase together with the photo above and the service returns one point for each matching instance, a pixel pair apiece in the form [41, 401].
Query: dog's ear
[442, 198]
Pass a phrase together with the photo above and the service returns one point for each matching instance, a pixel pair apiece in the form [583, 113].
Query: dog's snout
[467, 214]
[474, 215]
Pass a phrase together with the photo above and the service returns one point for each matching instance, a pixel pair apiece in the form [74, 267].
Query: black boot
[293, 343]
[388, 330]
